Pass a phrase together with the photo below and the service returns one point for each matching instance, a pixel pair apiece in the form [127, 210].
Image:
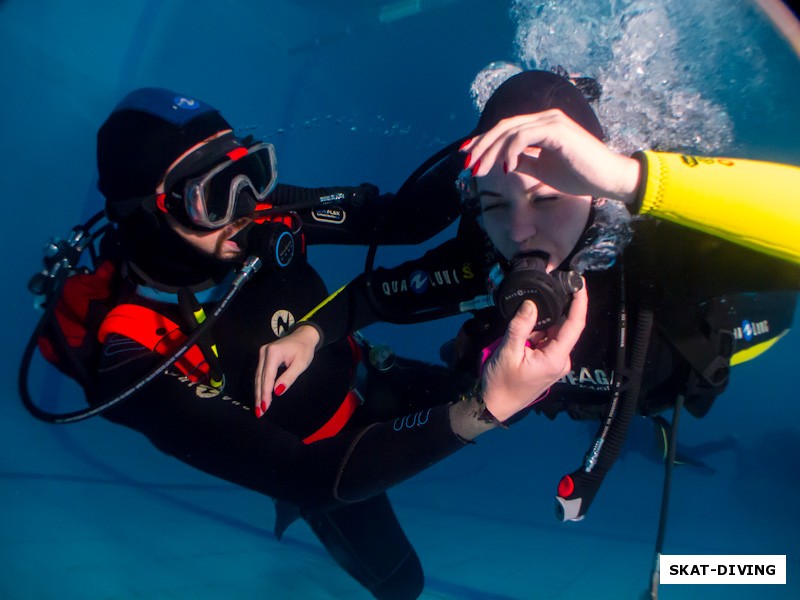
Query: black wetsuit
[338, 484]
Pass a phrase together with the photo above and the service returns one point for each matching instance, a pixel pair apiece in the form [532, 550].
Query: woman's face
[521, 214]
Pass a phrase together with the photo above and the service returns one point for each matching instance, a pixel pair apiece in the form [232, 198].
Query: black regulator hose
[252, 264]
[577, 490]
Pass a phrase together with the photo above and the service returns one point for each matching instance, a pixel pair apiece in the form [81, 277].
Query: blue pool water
[364, 92]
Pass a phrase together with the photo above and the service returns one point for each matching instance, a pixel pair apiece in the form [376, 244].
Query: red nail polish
[464, 144]
[467, 160]
[259, 412]
[263, 407]
[476, 167]
[505, 167]
[280, 389]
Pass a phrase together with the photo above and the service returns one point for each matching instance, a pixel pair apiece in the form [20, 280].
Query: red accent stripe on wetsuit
[351, 401]
[339, 419]
[155, 332]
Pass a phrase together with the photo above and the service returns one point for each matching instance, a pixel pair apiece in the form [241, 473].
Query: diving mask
[209, 196]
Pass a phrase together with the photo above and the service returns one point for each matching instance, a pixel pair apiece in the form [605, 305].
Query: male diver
[191, 203]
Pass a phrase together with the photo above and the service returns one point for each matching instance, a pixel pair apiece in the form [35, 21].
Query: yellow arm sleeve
[755, 204]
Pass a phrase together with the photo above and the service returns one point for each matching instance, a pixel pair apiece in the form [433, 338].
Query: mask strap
[120, 209]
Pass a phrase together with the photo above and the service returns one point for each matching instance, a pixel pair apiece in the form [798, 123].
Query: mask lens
[218, 198]
[193, 201]
[259, 167]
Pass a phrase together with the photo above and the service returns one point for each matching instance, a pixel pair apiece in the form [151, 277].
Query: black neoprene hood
[535, 91]
[146, 132]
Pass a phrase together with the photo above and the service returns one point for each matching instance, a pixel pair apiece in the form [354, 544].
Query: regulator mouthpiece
[529, 280]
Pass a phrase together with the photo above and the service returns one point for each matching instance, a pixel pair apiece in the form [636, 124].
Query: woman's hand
[295, 352]
[571, 160]
[517, 374]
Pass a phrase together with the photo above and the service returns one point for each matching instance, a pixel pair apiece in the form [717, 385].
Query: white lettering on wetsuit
[202, 390]
[748, 330]
[333, 215]
[421, 281]
[337, 197]
[593, 379]
[411, 421]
